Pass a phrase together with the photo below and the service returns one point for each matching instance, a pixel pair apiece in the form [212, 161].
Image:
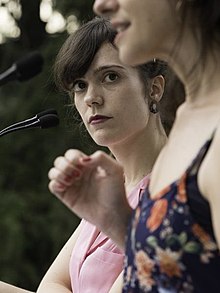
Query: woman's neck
[200, 76]
[137, 154]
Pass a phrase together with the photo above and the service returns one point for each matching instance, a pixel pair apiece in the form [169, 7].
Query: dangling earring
[153, 106]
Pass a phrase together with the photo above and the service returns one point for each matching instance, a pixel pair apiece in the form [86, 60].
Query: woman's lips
[97, 119]
[121, 28]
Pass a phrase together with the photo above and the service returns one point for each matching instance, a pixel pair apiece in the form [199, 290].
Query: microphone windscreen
[48, 121]
[45, 112]
[29, 66]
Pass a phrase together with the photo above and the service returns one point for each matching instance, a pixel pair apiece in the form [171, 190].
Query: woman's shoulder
[209, 180]
[209, 174]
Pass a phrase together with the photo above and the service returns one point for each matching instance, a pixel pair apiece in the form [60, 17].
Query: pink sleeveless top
[96, 261]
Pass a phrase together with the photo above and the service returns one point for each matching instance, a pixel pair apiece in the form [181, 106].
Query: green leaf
[182, 238]
[192, 247]
[172, 239]
[152, 241]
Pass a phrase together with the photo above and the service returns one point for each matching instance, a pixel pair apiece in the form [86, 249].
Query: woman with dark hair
[173, 240]
[119, 106]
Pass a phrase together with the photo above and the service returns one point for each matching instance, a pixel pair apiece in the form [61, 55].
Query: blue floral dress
[171, 245]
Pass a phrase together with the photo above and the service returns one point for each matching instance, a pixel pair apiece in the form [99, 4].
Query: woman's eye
[79, 86]
[111, 77]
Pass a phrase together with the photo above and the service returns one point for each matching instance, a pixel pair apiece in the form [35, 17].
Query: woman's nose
[105, 7]
[93, 98]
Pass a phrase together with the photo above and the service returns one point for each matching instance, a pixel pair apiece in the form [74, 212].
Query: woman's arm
[117, 286]
[57, 279]
[7, 288]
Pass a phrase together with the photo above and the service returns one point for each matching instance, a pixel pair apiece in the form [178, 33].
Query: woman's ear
[157, 88]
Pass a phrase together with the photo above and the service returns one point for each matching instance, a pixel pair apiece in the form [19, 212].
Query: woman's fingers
[65, 172]
[60, 182]
[67, 165]
[62, 177]
[104, 164]
[64, 166]
[73, 156]
[99, 187]
[57, 188]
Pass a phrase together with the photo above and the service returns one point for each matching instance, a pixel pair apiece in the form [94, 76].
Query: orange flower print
[200, 233]
[165, 190]
[128, 275]
[204, 238]
[157, 214]
[144, 270]
[168, 262]
[181, 194]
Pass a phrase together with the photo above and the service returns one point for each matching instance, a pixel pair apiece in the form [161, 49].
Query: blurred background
[34, 225]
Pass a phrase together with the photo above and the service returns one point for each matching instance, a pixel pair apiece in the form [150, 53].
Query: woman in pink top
[96, 261]
[118, 105]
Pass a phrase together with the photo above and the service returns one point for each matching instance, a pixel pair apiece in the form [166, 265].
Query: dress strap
[197, 161]
[198, 204]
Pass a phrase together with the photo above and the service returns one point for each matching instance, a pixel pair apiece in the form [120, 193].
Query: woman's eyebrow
[104, 67]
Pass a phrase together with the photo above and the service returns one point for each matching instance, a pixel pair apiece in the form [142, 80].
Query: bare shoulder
[209, 174]
[213, 155]
[209, 181]
[216, 139]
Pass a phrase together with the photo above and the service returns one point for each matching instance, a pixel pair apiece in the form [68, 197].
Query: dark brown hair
[79, 50]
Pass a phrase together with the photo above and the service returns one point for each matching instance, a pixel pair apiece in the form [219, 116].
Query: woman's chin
[132, 57]
[101, 142]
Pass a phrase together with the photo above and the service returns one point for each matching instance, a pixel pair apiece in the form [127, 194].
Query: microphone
[43, 120]
[30, 120]
[23, 69]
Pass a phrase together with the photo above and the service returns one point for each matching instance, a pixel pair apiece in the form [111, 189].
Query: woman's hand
[93, 188]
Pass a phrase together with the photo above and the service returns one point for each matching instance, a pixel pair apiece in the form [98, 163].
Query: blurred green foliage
[34, 225]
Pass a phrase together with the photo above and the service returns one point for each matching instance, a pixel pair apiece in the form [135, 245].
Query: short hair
[80, 48]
